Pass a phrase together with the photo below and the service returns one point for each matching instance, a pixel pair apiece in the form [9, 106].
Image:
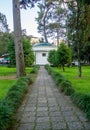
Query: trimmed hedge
[35, 69]
[10, 104]
[83, 101]
[65, 86]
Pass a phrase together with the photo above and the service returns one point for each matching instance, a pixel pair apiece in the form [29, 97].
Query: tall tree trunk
[45, 35]
[20, 65]
[57, 37]
[78, 43]
[79, 64]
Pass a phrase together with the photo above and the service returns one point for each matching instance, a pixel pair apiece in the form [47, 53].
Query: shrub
[10, 104]
[66, 87]
[83, 101]
[35, 69]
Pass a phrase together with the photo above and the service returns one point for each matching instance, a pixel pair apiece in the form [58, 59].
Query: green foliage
[11, 50]
[28, 53]
[81, 85]
[3, 23]
[11, 102]
[66, 87]
[83, 101]
[52, 57]
[35, 69]
[5, 115]
[64, 54]
[63, 84]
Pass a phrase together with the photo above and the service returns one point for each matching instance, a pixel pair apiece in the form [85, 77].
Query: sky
[27, 17]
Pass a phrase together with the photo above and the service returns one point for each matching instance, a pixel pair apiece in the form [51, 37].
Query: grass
[4, 87]
[5, 71]
[82, 84]
[5, 84]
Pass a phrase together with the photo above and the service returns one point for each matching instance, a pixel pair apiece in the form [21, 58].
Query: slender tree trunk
[45, 35]
[78, 44]
[57, 37]
[79, 64]
[20, 65]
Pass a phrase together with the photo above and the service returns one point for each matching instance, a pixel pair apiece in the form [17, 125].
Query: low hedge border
[35, 69]
[65, 86]
[10, 104]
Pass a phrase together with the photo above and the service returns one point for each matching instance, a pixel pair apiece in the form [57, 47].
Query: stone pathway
[45, 108]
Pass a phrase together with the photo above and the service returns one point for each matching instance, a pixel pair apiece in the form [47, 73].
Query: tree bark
[20, 65]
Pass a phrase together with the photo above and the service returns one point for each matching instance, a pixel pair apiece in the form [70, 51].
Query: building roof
[43, 44]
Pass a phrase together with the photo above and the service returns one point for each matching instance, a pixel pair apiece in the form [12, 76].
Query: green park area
[8, 78]
[81, 84]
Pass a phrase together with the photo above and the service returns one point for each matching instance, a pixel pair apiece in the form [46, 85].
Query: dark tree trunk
[20, 65]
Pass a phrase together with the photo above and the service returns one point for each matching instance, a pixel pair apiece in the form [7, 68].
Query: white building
[41, 52]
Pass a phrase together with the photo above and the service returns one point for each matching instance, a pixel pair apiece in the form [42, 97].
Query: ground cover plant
[66, 81]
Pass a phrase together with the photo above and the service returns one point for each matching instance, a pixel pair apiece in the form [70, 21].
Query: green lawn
[80, 84]
[5, 84]
[5, 71]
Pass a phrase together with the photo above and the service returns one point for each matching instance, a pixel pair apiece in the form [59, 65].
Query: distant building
[41, 52]
[34, 39]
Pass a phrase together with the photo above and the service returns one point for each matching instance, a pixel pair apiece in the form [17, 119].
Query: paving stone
[31, 109]
[42, 105]
[59, 126]
[75, 126]
[42, 109]
[43, 126]
[30, 114]
[42, 114]
[27, 126]
[57, 118]
[54, 109]
[71, 118]
[56, 113]
[42, 119]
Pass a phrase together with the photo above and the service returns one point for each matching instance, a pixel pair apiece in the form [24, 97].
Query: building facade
[41, 52]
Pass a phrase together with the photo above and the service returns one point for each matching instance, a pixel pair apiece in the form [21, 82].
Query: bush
[66, 87]
[10, 104]
[83, 101]
[35, 69]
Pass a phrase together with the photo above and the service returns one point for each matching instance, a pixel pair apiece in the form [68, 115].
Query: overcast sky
[27, 17]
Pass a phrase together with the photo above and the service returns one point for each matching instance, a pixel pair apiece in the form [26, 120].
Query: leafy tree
[51, 19]
[77, 29]
[28, 53]
[64, 55]
[52, 58]
[3, 34]
[3, 23]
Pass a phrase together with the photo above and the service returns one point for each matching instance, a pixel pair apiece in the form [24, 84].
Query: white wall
[41, 58]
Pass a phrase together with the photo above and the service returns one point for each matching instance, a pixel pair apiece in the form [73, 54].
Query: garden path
[45, 108]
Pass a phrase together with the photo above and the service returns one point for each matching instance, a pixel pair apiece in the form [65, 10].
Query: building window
[43, 54]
